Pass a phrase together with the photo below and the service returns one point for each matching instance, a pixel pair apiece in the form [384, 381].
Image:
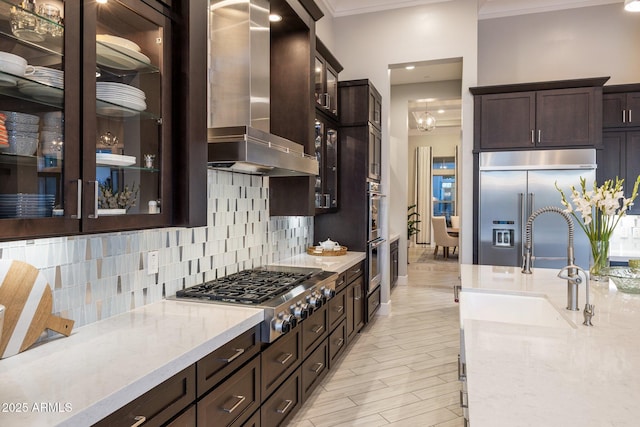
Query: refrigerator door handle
[521, 211]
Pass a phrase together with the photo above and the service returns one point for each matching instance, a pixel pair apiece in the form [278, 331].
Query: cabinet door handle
[462, 370]
[539, 135]
[630, 116]
[95, 200]
[340, 309]
[140, 419]
[282, 409]
[463, 402]
[239, 400]
[340, 342]
[533, 136]
[624, 116]
[237, 353]
[284, 358]
[318, 368]
[78, 213]
[318, 329]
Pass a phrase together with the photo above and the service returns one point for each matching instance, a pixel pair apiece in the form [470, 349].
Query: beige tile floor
[402, 368]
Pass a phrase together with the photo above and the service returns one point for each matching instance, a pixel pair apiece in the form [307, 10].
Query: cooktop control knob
[314, 300]
[300, 310]
[328, 292]
[283, 323]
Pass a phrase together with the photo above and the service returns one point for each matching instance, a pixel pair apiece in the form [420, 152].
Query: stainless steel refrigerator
[514, 184]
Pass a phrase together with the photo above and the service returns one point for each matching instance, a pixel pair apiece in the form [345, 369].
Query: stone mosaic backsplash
[97, 276]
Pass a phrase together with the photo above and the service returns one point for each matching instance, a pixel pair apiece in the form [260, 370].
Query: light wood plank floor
[402, 368]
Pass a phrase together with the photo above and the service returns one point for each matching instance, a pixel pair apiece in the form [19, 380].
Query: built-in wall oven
[375, 196]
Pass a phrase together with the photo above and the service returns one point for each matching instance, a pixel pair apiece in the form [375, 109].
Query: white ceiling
[486, 8]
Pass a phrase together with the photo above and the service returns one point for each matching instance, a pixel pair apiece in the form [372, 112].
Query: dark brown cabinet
[355, 307]
[337, 342]
[337, 309]
[326, 150]
[620, 109]
[326, 72]
[281, 406]
[279, 360]
[314, 369]
[394, 256]
[373, 302]
[315, 329]
[620, 157]
[539, 115]
[158, 405]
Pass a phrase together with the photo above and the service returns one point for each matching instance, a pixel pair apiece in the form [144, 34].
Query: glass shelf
[36, 31]
[31, 90]
[120, 61]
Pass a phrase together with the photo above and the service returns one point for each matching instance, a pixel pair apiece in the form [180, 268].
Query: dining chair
[441, 237]
[455, 221]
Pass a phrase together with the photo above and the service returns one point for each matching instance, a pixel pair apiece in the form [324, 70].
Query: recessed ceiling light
[409, 67]
[101, 1]
[275, 18]
[440, 111]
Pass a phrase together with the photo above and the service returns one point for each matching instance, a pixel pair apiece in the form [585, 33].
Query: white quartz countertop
[521, 375]
[337, 264]
[102, 366]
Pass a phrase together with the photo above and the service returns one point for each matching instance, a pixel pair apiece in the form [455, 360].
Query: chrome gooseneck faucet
[572, 276]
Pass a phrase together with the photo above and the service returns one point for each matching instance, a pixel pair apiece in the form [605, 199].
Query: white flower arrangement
[600, 208]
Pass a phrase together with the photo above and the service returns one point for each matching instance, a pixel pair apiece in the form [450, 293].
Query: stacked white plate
[119, 53]
[23, 205]
[22, 132]
[119, 95]
[45, 85]
[11, 65]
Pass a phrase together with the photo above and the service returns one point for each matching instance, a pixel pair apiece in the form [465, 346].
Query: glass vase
[599, 260]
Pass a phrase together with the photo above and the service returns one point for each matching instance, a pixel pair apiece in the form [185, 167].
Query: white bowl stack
[22, 132]
[47, 76]
[11, 65]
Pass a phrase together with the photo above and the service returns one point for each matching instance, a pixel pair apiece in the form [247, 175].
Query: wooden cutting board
[28, 300]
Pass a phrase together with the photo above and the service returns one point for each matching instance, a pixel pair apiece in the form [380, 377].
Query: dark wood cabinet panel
[355, 271]
[632, 170]
[281, 406]
[507, 120]
[373, 303]
[620, 109]
[314, 330]
[253, 421]
[337, 342]
[539, 115]
[326, 148]
[186, 419]
[232, 402]
[314, 369]
[394, 256]
[355, 307]
[158, 405]
[337, 309]
[279, 360]
[620, 157]
[360, 103]
[219, 364]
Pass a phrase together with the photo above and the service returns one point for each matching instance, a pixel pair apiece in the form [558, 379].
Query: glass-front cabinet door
[126, 94]
[326, 150]
[39, 170]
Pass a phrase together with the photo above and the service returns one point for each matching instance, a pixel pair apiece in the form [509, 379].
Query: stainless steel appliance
[374, 239]
[289, 295]
[514, 184]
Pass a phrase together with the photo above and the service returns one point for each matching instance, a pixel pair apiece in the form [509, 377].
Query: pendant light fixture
[426, 122]
[632, 5]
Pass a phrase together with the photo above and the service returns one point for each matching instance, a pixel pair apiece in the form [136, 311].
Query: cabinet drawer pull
[318, 368]
[237, 353]
[284, 358]
[340, 309]
[318, 329]
[624, 116]
[539, 135]
[532, 136]
[282, 409]
[140, 419]
[463, 403]
[340, 283]
[630, 116]
[239, 399]
[340, 342]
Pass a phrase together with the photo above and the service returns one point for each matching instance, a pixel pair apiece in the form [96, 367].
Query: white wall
[367, 44]
[576, 43]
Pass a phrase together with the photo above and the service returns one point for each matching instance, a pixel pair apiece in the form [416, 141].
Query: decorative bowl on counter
[626, 279]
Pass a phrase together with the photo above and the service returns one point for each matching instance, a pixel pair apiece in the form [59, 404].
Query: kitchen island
[564, 374]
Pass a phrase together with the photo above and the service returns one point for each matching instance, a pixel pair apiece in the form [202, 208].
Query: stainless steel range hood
[239, 134]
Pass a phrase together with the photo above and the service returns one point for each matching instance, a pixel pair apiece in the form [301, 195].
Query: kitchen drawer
[341, 281]
[337, 342]
[280, 407]
[187, 419]
[221, 363]
[355, 271]
[279, 360]
[314, 330]
[314, 369]
[373, 303]
[232, 402]
[337, 309]
[253, 421]
[159, 404]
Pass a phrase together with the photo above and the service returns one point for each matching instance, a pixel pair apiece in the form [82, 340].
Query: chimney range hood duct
[239, 137]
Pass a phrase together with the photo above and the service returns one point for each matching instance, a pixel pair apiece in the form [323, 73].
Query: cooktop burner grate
[248, 286]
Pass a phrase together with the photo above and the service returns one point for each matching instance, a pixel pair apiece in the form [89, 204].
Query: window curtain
[423, 196]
